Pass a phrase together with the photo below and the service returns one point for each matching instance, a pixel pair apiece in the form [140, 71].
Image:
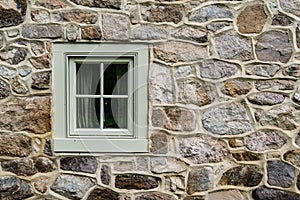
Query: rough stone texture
[34, 31]
[194, 91]
[293, 156]
[290, 6]
[280, 174]
[124, 166]
[72, 32]
[298, 35]
[41, 184]
[38, 48]
[285, 117]
[166, 165]
[23, 72]
[115, 27]
[209, 13]
[51, 4]
[236, 87]
[12, 188]
[247, 175]
[265, 140]
[18, 145]
[203, 149]
[12, 13]
[189, 33]
[266, 98]
[184, 71]
[228, 119]
[252, 19]
[99, 4]
[263, 193]
[41, 80]
[175, 183]
[194, 198]
[105, 175]
[174, 52]
[226, 195]
[79, 16]
[161, 84]
[103, 194]
[246, 156]
[14, 55]
[216, 69]
[42, 62]
[40, 16]
[4, 90]
[281, 20]
[87, 164]
[275, 84]
[199, 180]
[136, 181]
[273, 46]
[73, 187]
[216, 26]
[18, 86]
[149, 32]
[159, 143]
[155, 196]
[174, 118]
[48, 148]
[142, 163]
[7, 73]
[162, 13]
[229, 46]
[90, 33]
[264, 70]
[292, 70]
[26, 114]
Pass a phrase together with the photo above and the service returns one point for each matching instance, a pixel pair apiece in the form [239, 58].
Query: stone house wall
[224, 100]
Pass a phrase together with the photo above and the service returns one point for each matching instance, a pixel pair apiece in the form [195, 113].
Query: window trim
[64, 143]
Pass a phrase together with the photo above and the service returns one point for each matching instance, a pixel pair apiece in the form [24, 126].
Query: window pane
[88, 78]
[115, 113]
[88, 113]
[115, 79]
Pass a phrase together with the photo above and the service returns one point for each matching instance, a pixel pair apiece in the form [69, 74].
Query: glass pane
[115, 113]
[88, 113]
[88, 78]
[115, 79]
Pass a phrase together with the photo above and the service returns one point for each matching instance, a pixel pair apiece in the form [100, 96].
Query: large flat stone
[12, 13]
[209, 13]
[136, 181]
[34, 31]
[18, 145]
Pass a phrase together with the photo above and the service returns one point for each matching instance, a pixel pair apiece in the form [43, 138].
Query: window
[100, 97]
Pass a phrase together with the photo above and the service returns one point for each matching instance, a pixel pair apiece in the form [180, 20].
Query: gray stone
[155, 196]
[44, 165]
[198, 197]
[291, 6]
[216, 69]
[34, 31]
[236, 87]
[51, 4]
[90, 33]
[136, 182]
[161, 82]
[38, 48]
[293, 156]
[174, 118]
[77, 15]
[275, 84]
[298, 35]
[184, 71]
[115, 27]
[19, 86]
[296, 96]
[264, 70]
[103, 194]
[41, 80]
[209, 13]
[23, 71]
[274, 46]
[115, 4]
[216, 26]
[292, 70]
[174, 52]
[105, 175]
[263, 193]
[42, 62]
[246, 175]
[162, 13]
[228, 119]
[40, 16]
[4, 90]
[47, 148]
[11, 33]
[175, 183]
[285, 117]
[123, 166]
[18, 145]
[203, 150]
[14, 55]
[149, 32]
[1, 41]
[159, 143]
[280, 174]
[281, 20]
[73, 187]
[12, 13]
[199, 180]
[266, 98]
[31, 114]
[167, 165]
[265, 139]
[87, 164]
[189, 33]
[230, 46]
[194, 91]
[21, 167]
[226, 195]
[72, 32]
[12, 188]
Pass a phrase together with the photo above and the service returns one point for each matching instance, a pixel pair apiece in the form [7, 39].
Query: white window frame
[66, 138]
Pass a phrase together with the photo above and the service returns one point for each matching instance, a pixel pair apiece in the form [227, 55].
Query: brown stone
[298, 35]
[252, 19]
[226, 195]
[293, 156]
[136, 181]
[12, 13]
[90, 33]
[246, 156]
[26, 114]
[159, 143]
[51, 4]
[41, 80]
[162, 13]
[103, 194]
[155, 196]
[4, 90]
[99, 4]
[275, 84]
[18, 86]
[15, 145]
[79, 16]
[281, 20]
[41, 16]
[292, 70]
[13, 55]
[199, 180]
[274, 46]
[42, 62]
[236, 87]
[41, 184]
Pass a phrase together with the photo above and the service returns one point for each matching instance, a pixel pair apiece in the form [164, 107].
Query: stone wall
[224, 100]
